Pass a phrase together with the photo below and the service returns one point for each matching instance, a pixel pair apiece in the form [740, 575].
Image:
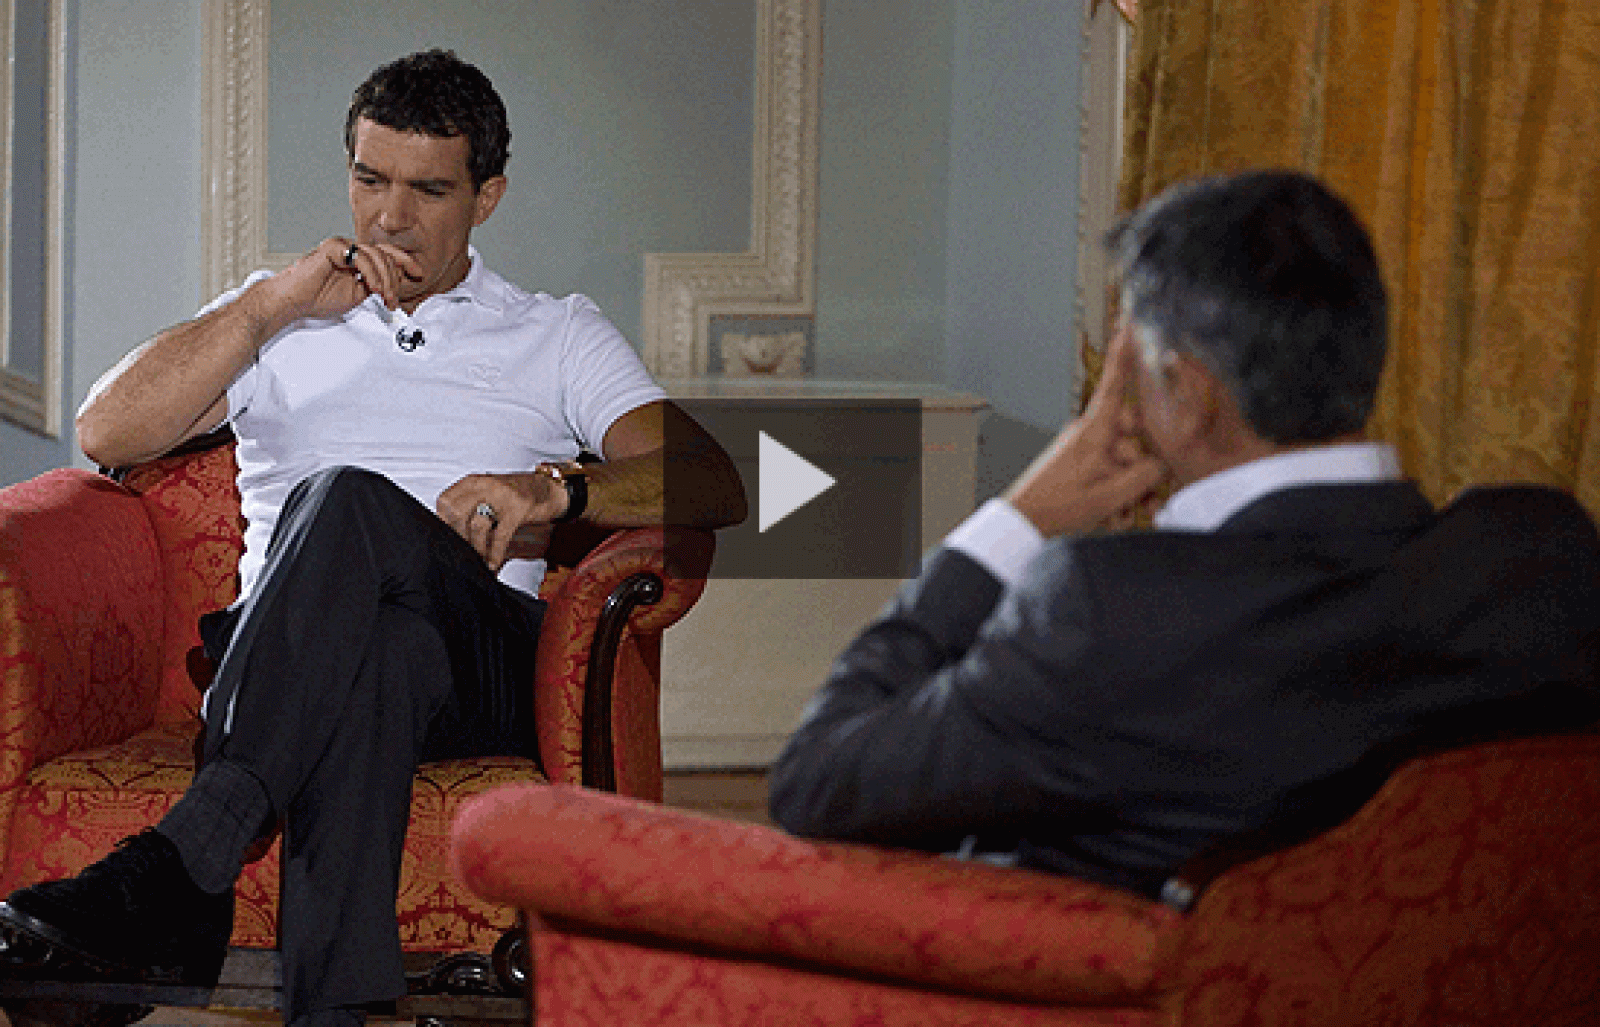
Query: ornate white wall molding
[682, 291]
[234, 143]
[35, 402]
[776, 276]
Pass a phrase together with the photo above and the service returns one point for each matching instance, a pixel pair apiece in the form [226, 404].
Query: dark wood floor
[734, 795]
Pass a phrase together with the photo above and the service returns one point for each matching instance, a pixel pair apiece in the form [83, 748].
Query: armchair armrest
[630, 587]
[607, 865]
[81, 618]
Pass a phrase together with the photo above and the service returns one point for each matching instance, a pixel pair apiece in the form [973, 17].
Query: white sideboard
[736, 672]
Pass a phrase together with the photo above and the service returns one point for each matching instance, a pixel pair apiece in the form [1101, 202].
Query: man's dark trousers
[376, 638]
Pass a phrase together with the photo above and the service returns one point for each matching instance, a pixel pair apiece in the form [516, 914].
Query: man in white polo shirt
[407, 422]
[1111, 705]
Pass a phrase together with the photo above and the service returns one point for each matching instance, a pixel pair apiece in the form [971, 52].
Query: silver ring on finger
[487, 511]
[350, 256]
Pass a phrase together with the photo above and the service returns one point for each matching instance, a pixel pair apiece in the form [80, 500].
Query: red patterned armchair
[101, 584]
[1466, 891]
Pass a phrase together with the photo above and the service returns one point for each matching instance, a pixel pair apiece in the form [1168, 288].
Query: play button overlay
[833, 485]
[788, 481]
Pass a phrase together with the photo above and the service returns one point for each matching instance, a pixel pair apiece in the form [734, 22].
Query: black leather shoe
[137, 909]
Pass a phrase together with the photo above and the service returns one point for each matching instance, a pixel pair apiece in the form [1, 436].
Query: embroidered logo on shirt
[484, 374]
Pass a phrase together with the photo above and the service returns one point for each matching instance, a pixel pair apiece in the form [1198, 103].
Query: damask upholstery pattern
[75, 808]
[612, 864]
[1463, 134]
[1466, 892]
[101, 586]
[680, 558]
[593, 982]
[193, 505]
[81, 617]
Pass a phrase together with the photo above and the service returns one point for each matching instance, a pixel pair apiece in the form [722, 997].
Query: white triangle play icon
[788, 481]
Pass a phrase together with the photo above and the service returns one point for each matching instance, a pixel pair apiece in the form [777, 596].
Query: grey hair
[1270, 281]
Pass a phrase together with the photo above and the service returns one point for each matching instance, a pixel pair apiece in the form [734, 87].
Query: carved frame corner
[776, 277]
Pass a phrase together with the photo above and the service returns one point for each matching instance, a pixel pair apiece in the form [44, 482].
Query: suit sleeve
[930, 724]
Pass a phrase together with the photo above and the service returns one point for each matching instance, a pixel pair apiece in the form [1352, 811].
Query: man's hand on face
[1096, 472]
[503, 516]
[340, 273]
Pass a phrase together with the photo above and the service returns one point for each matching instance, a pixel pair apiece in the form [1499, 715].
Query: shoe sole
[71, 949]
[37, 929]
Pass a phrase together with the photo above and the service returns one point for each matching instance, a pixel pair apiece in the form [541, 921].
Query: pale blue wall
[947, 210]
[136, 177]
[630, 128]
[1011, 235]
[948, 228]
[884, 189]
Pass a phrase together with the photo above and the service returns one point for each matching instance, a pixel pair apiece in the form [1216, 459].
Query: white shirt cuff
[999, 538]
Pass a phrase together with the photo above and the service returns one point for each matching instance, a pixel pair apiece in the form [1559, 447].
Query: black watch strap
[577, 486]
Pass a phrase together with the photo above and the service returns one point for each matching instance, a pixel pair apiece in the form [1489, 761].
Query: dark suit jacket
[1139, 696]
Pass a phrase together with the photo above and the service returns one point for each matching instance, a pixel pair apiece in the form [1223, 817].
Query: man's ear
[1196, 395]
[488, 199]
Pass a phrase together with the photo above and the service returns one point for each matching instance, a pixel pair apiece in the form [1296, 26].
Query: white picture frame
[31, 397]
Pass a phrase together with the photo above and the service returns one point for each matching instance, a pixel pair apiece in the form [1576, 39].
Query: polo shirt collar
[479, 286]
[1207, 503]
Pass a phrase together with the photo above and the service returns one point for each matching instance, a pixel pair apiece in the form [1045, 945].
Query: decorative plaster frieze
[234, 142]
[776, 276]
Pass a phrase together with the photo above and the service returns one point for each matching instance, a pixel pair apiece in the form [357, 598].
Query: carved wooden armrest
[636, 583]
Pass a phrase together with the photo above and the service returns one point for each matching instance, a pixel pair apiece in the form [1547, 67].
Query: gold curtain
[1466, 133]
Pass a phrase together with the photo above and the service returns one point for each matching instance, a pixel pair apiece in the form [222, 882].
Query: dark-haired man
[406, 421]
[1108, 705]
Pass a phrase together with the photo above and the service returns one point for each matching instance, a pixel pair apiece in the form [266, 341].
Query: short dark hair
[1269, 280]
[438, 94]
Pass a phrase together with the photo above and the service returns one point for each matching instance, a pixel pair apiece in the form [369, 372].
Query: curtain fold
[1467, 136]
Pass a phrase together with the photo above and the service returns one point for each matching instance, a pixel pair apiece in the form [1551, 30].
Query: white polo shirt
[503, 380]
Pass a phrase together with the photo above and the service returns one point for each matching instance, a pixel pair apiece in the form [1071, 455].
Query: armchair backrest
[1466, 891]
[193, 506]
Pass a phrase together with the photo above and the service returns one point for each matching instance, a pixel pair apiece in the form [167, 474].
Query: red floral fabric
[589, 982]
[612, 863]
[81, 616]
[193, 505]
[75, 808]
[1467, 892]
